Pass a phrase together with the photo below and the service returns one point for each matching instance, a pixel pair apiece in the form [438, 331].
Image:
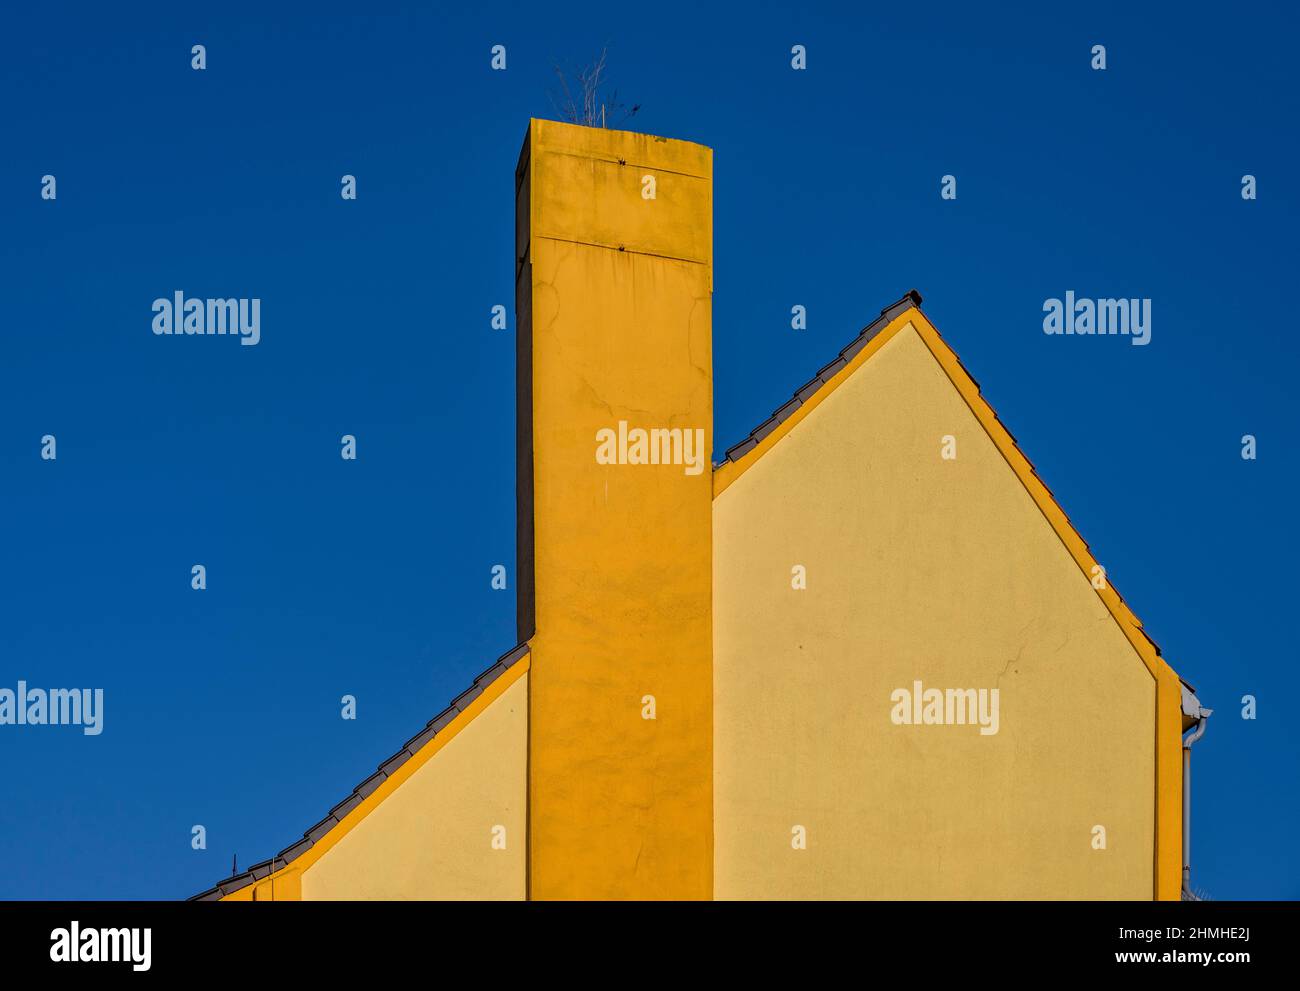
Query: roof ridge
[801, 396]
[336, 815]
[824, 374]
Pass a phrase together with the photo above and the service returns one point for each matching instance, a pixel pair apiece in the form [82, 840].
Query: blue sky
[372, 578]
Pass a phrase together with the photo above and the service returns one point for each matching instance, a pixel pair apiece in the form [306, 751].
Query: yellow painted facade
[449, 824]
[919, 568]
[614, 300]
[456, 829]
[687, 723]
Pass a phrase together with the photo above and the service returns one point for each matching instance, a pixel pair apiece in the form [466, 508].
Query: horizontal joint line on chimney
[633, 165]
[619, 247]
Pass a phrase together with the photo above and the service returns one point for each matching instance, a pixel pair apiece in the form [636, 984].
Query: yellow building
[865, 656]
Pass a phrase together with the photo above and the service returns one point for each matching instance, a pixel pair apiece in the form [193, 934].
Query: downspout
[1193, 709]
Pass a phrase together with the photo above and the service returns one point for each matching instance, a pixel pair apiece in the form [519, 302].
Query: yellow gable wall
[431, 838]
[918, 568]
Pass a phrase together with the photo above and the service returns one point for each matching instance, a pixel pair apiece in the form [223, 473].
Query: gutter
[1193, 711]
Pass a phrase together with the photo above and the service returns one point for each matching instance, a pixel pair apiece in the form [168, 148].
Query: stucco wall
[616, 289]
[432, 838]
[918, 568]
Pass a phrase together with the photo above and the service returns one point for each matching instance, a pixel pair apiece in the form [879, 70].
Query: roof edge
[741, 456]
[810, 393]
[1043, 497]
[367, 787]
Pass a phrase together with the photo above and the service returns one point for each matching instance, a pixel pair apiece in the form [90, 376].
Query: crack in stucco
[1014, 660]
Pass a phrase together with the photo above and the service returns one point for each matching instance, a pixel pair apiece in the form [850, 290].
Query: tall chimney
[614, 279]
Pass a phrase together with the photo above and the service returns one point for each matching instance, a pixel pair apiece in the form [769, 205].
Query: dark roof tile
[765, 428]
[826, 373]
[854, 346]
[367, 787]
[395, 761]
[787, 409]
[236, 882]
[341, 810]
[806, 393]
[416, 743]
[463, 700]
[321, 828]
[291, 853]
[491, 674]
[515, 656]
[740, 450]
[441, 721]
